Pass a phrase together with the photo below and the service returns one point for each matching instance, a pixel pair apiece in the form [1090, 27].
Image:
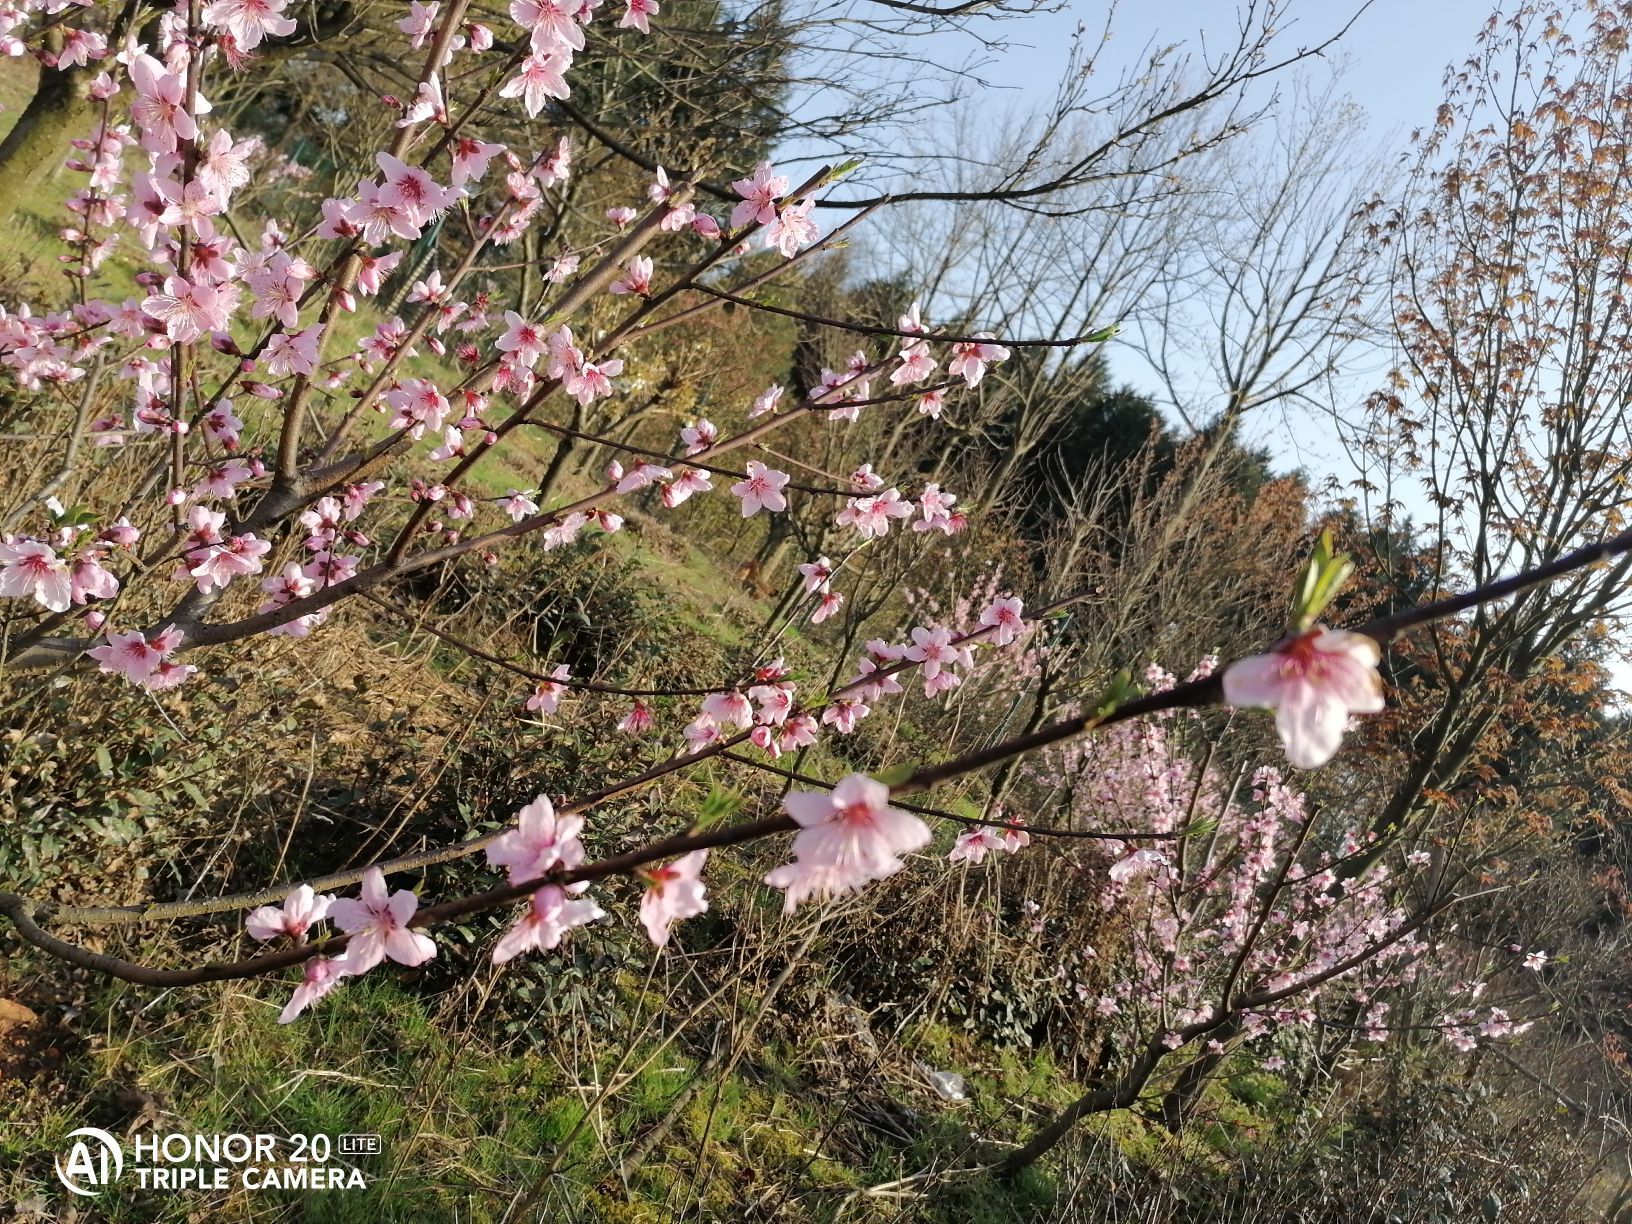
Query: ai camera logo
[95, 1161]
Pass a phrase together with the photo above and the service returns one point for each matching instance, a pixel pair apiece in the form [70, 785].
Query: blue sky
[1392, 58]
[1395, 52]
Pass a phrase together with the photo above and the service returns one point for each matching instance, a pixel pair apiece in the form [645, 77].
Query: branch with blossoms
[846, 837]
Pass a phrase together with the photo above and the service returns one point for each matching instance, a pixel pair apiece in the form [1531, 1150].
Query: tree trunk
[57, 113]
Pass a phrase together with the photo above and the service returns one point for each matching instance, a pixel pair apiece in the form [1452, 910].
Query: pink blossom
[844, 713]
[759, 196]
[213, 567]
[419, 23]
[550, 915]
[817, 574]
[89, 580]
[636, 278]
[188, 309]
[523, 340]
[299, 911]
[762, 489]
[638, 721]
[1313, 682]
[30, 568]
[970, 359]
[540, 842]
[322, 974]
[870, 516]
[792, 228]
[974, 843]
[849, 836]
[636, 14]
[916, 365]
[518, 505]
[1139, 863]
[673, 892]
[377, 922]
[937, 510]
[470, 159]
[728, 709]
[547, 694]
[296, 354]
[249, 21]
[699, 436]
[1002, 615]
[766, 401]
[691, 480]
[412, 189]
[161, 111]
[540, 78]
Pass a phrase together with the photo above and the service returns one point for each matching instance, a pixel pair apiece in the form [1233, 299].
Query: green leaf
[1121, 688]
[719, 804]
[895, 775]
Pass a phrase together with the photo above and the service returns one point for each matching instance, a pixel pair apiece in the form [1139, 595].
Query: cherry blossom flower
[638, 721]
[419, 23]
[636, 14]
[551, 913]
[1139, 863]
[189, 309]
[817, 575]
[916, 364]
[762, 490]
[728, 709]
[766, 401]
[937, 510]
[296, 354]
[161, 111]
[974, 843]
[322, 974]
[541, 77]
[691, 480]
[935, 652]
[377, 921]
[636, 278]
[829, 605]
[848, 837]
[1313, 682]
[759, 195]
[300, 910]
[970, 359]
[699, 436]
[547, 694]
[673, 892]
[518, 505]
[792, 228]
[249, 21]
[1003, 616]
[32, 569]
[470, 160]
[540, 842]
[89, 580]
[871, 516]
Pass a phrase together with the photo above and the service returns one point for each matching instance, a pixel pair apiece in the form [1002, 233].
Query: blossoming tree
[287, 450]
